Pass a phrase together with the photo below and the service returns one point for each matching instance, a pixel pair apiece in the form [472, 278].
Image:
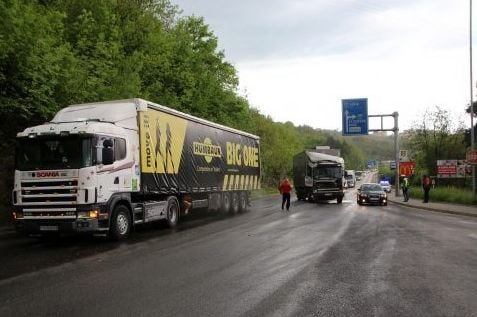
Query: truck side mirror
[108, 152]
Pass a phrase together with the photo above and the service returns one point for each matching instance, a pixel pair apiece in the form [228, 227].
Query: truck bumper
[75, 226]
[327, 195]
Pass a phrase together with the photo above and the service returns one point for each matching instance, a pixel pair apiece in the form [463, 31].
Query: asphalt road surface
[316, 260]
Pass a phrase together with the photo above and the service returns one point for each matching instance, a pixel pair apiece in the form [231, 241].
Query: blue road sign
[355, 116]
[371, 164]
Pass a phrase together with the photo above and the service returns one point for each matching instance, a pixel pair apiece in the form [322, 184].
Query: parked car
[385, 185]
[371, 193]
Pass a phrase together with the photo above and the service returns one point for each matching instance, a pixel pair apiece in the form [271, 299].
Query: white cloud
[298, 59]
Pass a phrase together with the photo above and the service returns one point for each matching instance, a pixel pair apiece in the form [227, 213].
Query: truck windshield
[327, 172]
[54, 152]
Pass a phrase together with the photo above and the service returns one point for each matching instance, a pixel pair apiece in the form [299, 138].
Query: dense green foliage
[435, 137]
[59, 52]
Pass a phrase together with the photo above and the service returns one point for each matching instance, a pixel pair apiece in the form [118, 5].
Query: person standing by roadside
[285, 189]
[426, 186]
[405, 187]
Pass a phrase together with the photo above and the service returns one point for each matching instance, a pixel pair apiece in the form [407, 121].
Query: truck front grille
[329, 185]
[51, 192]
[49, 199]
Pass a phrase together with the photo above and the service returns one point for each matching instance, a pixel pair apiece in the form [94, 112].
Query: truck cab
[318, 176]
[71, 171]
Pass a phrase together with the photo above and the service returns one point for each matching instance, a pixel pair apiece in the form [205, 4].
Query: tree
[434, 138]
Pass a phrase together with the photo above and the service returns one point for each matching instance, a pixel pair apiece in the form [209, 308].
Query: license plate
[48, 228]
[328, 194]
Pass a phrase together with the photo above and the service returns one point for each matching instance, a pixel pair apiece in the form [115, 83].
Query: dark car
[370, 193]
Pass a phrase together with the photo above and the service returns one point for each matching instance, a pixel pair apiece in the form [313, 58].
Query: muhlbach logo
[207, 150]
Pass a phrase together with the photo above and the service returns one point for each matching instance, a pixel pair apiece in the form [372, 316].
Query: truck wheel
[243, 202]
[120, 223]
[300, 196]
[235, 204]
[225, 207]
[172, 211]
[339, 200]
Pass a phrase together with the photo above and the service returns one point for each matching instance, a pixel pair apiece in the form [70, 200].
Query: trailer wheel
[120, 223]
[225, 202]
[235, 204]
[243, 202]
[172, 211]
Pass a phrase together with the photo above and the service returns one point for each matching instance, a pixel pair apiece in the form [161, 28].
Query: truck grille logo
[46, 174]
[207, 150]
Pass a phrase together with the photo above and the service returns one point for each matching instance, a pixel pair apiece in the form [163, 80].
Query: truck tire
[225, 206]
[172, 212]
[339, 200]
[243, 199]
[235, 203]
[120, 225]
[300, 196]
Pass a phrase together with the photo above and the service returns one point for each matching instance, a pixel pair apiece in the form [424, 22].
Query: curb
[453, 212]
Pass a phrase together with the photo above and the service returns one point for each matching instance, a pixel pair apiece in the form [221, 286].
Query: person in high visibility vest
[405, 188]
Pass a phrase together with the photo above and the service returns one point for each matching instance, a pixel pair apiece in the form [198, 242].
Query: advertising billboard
[453, 169]
[407, 168]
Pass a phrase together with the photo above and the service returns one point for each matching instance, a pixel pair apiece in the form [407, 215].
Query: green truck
[318, 176]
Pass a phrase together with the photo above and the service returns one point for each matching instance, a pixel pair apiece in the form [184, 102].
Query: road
[316, 260]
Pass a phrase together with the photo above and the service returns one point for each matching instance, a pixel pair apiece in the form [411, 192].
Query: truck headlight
[88, 214]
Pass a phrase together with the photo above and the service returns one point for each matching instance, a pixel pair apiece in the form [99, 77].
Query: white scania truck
[104, 167]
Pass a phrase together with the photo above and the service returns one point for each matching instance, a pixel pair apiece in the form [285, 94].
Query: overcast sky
[297, 59]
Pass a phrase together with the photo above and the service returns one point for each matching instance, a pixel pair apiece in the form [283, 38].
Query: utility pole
[472, 137]
[396, 152]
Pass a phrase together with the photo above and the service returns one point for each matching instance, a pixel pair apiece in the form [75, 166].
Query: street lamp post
[472, 137]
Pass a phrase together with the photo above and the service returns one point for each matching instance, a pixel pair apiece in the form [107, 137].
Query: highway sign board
[355, 116]
[372, 164]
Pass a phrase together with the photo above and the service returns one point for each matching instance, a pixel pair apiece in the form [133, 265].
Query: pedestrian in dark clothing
[405, 188]
[285, 188]
[426, 186]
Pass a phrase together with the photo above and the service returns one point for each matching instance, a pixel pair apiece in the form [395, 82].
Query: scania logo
[46, 174]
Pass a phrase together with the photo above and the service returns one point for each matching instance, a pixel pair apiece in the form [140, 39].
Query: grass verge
[446, 194]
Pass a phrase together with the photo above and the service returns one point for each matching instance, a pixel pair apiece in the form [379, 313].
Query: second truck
[318, 176]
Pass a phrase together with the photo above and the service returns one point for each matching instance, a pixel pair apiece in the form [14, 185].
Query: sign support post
[395, 115]
[355, 122]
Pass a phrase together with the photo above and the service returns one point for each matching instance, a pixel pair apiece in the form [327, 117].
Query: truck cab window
[119, 149]
[110, 149]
